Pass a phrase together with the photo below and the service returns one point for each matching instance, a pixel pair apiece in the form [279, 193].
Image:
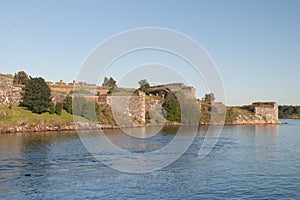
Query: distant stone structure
[57, 97]
[137, 108]
[67, 88]
[87, 97]
[267, 110]
[127, 110]
[104, 100]
[59, 90]
[176, 88]
[159, 92]
[9, 94]
[188, 91]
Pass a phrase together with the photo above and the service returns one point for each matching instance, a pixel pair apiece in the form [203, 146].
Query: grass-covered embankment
[14, 115]
[19, 119]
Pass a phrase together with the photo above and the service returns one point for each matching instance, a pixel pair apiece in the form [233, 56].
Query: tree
[58, 108]
[288, 111]
[67, 104]
[105, 81]
[112, 82]
[172, 109]
[20, 78]
[86, 109]
[109, 82]
[209, 97]
[78, 104]
[105, 115]
[297, 110]
[90, 110]
[144, 84]
[36, 96]
[52, 108]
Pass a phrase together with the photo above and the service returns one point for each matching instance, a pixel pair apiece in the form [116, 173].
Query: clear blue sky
[255, 44]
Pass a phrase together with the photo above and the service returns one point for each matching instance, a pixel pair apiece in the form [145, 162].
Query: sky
[254, 44]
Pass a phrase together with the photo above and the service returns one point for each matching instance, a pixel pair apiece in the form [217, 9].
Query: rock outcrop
[24, 127]
[252, 120]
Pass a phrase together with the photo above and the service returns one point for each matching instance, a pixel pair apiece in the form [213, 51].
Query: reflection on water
[266, 135]
[251, 162]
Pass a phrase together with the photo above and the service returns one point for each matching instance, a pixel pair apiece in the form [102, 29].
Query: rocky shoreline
[24, 127]
[252, 120]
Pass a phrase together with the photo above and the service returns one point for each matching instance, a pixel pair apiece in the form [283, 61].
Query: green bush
[105, 115]
[52, 108]
[172, 109]
[58, 108]
[67, 104]
[86, 109]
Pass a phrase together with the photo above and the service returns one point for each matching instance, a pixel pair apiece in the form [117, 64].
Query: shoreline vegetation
[289, 112]
[39, 111]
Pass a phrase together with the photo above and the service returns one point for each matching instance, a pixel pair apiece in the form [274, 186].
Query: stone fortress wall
[188, 91]
[176, 88]
[9, 94]
[128, 110]
[62, 87]
[137, 106]
[268, 110]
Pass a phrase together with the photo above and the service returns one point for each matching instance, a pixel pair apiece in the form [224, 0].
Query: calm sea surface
[249, 162]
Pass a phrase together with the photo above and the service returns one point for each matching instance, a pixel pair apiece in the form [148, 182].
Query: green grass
[16, 114]
[233, 112]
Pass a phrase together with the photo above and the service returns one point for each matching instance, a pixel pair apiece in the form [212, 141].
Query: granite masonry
[267, 110]
[128, 110]
[9, 94]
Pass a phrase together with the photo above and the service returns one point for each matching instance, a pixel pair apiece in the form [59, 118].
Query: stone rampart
[9, 94]
[267, 110]
[127, 110]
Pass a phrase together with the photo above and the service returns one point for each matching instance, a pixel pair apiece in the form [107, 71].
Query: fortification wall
[65, 90]
[155, 112]
[57, 97]
[268, 112]
[137, 108]
[9, 94]
[104, 100]
[68, 89]
[127, 110]
[176, 88]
